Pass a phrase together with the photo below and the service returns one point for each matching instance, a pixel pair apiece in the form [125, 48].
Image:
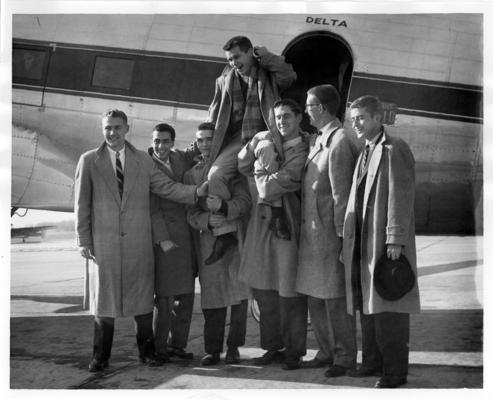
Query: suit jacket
[325, 190]
[274, 75]
[388, 218]
[175, 270]
[119, 229]
[270, 263]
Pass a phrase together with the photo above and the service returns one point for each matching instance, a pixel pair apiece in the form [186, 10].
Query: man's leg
[104, 328]
[237, 326]
[181, 319]
[321, 329]
[162, 323]
[224, 168]
[214, 327]
[270, 319]
[145, 339]
[343, 328]
[294, 312]
[392, 336]
[372, 358]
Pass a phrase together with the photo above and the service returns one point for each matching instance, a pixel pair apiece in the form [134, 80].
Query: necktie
[119, 173]
[365, 158]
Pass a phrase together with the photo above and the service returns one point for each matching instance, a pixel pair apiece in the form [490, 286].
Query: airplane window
[28, 63]
[112, 72]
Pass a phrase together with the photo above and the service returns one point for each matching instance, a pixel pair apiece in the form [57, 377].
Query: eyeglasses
[311, 105]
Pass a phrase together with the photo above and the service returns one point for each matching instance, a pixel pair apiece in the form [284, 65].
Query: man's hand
[259, 51]
[214, 202]
[203, 189]
[216, 220]
[167, 245]
[257, 138]
[87, 252]
[394, 251]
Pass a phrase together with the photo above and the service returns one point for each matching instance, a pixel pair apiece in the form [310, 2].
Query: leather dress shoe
[292, 364]
[180, 353]
[97, 366]
[363, 371]
[210, 359]
[221, 245]
[335, 370]
[232, 356]
[269, 357]
[391, 381]
[315, 363]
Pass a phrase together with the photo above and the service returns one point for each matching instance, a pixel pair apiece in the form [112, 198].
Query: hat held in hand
[393, 278]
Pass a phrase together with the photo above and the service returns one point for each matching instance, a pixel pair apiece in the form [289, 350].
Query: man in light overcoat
[326, 185]
[113, 228]
[380, 222]
[269, 263]
[219, 284]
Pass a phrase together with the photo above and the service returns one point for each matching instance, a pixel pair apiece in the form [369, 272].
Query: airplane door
[319, 57]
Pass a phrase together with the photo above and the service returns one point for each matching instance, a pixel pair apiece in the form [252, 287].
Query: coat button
[122, 234]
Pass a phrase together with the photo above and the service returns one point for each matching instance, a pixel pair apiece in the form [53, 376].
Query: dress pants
[172, 319]
[335, 331]
[283, 322]
[104, 328]
[385, 342]
[214, 327]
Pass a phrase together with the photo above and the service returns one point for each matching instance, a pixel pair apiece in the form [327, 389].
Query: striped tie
[119, 173]
[365, 158]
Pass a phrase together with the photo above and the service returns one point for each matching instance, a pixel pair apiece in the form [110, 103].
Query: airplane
[37, 232]
[426, 68]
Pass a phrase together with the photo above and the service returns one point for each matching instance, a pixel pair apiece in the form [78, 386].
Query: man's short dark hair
[164, 127]
[370, 103]
[241, 41]
[328, 96]
[206, 126]
[293, 105]
[114, 113]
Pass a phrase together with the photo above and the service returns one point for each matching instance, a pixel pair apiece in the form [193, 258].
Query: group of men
[257, 208]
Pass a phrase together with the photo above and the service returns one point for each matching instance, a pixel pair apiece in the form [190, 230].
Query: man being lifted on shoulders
[242, 106]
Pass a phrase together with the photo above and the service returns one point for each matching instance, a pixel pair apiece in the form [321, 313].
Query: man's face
[114, 131]
[314, 109]
[204, 141]
[287, 122]
[364, 124]
[240, 60]
[162, 144]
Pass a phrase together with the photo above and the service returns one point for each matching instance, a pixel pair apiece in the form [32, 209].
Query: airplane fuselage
[67, 69]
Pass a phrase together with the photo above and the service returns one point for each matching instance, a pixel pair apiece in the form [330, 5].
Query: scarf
[247, 112]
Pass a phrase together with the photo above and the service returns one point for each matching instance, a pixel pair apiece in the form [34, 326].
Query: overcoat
[326, 185]
[176, 269]
[388, 218]
[274, 75]
[268, 262]
[219, 282]
[119, 229]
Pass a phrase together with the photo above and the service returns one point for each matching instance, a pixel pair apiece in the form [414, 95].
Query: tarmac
[51, 336]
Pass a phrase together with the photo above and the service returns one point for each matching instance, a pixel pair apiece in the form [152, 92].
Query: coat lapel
[105, 169]
[333, 126]
[131, 171]
[374, 163]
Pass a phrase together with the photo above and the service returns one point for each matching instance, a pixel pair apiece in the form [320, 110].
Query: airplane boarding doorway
[319, 57]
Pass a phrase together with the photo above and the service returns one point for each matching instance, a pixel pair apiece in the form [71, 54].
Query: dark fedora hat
[393, 278]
